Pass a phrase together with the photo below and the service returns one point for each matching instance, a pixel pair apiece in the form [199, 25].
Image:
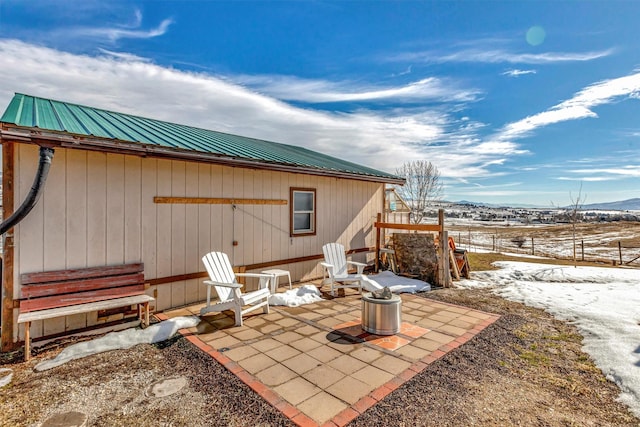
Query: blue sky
[514, 101]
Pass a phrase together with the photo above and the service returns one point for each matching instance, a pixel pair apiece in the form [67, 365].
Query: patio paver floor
[317, 365]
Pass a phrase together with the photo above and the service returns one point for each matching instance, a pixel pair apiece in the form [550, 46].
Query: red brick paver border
[409, 332]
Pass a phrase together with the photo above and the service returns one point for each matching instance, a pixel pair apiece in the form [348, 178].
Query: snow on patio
[120, 340]
[603, 303]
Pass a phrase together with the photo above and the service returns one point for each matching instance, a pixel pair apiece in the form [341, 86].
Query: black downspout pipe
[46, 155]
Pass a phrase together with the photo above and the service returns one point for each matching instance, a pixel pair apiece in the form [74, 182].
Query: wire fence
[612, 252]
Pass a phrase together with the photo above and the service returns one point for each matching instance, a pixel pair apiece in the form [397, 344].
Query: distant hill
[624, 205]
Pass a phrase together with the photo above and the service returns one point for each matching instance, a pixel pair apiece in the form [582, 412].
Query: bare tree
[423, 186]
[572, 213]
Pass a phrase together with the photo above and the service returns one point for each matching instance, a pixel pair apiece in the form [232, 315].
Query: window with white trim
[303, 211]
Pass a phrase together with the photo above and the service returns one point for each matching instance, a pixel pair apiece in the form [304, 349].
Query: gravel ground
[525, 369]
[110, 388]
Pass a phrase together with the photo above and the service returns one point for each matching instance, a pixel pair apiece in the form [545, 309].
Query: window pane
[302, 201]
[302, 222]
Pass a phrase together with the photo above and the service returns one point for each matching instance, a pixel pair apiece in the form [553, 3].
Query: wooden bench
[60, 293]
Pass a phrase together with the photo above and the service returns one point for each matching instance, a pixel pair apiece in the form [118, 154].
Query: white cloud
[497, 193]
[523, 127]
[586, 178]
[495, 187]
[123, 55]
[114, 21]
[319, 91]
[470, 159]
[603, 173]
[126, 83]
[605, 92]
[578, 107]
[623, 171]
[495, 56]
[116, 33]
[403, 73]
[518, 73]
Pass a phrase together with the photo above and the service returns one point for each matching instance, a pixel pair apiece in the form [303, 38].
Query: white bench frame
[142, 302]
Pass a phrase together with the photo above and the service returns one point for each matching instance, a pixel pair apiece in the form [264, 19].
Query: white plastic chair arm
[359, 265]
[328, 271]
[328, 267]
[226, 285]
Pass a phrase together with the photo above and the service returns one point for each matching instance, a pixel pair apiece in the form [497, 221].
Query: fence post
[533, 252]
[378, 229]
[444, 273]
[620, 251]
[582, 249]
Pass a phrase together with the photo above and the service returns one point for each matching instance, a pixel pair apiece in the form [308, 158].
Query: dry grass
[484, 261]
[600, 240]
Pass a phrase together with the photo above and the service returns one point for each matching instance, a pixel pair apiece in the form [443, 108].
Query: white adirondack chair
[224, 280]
[336, 268]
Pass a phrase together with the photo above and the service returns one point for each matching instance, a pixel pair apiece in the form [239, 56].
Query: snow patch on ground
[306, 294]
[6, 375]
[120, 340]
[397, 284]
[603, 303]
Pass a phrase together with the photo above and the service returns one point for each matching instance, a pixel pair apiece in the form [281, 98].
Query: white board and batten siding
[97, 209]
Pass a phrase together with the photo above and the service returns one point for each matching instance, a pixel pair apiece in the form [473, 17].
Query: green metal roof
[58, 117]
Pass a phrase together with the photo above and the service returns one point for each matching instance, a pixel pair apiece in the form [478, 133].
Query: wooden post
[582, 250]
[27, 341]
[377, 255]
[533, 251]
[6, 340]
[620, 251]
[444, 273]
[442, 249]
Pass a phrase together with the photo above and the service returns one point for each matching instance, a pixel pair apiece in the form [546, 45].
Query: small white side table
[277, 273]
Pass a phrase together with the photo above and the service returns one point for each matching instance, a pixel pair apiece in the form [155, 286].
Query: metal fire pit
[381, 316]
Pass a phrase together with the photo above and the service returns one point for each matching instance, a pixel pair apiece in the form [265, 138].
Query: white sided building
[124, 189]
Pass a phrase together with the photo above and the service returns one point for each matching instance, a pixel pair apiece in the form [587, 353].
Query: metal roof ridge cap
[301, 153]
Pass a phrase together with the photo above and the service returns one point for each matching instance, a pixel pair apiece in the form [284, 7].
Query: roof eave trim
[40, 137]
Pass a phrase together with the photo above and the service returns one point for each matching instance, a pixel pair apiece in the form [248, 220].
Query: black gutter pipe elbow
[46, 155]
